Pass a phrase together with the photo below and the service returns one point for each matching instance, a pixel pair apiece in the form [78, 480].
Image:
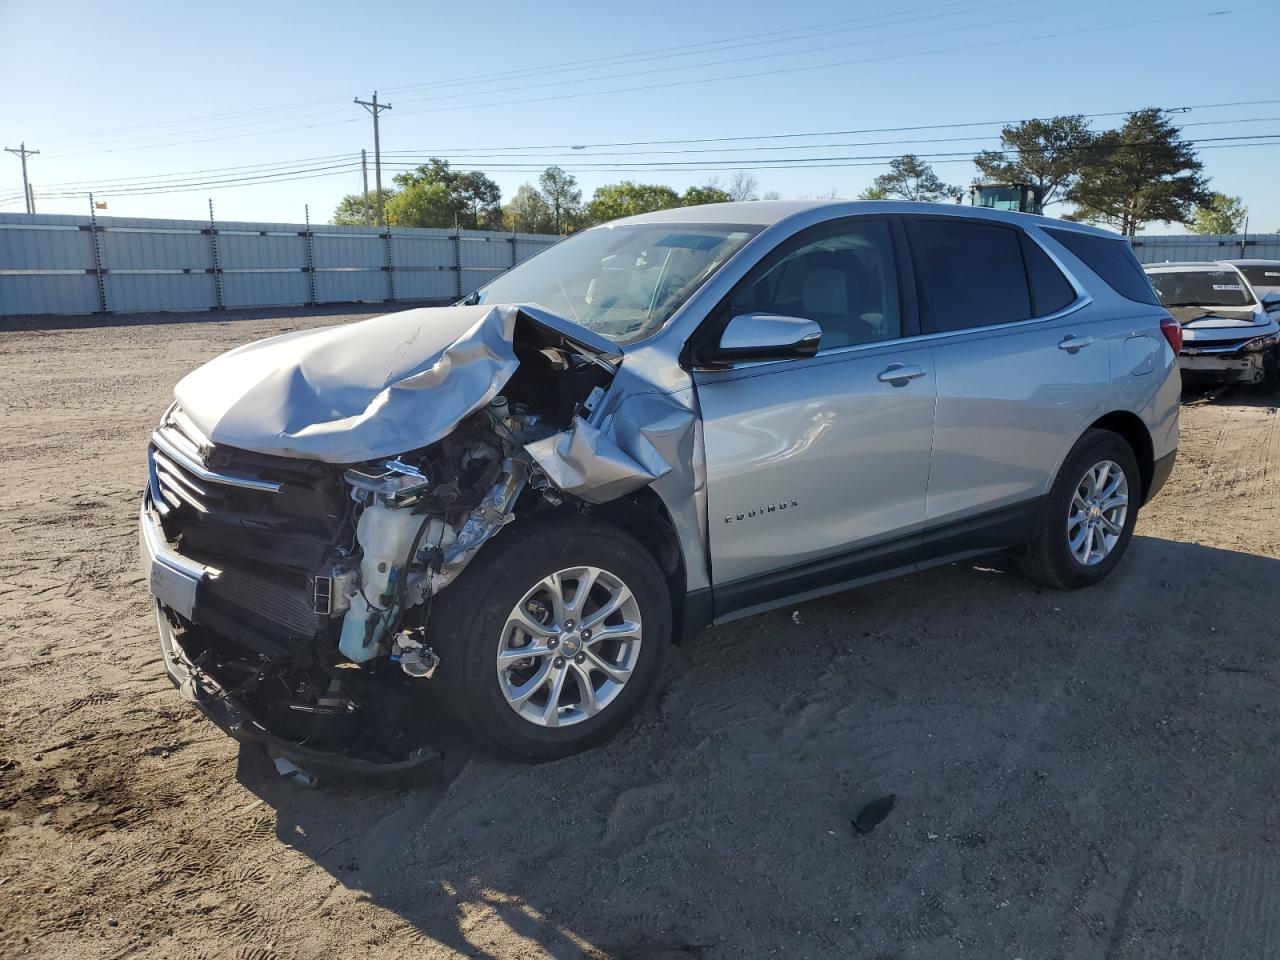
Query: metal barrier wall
[85, 264]
[1260, 246]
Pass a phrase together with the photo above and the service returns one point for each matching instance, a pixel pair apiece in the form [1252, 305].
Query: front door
[814, 461]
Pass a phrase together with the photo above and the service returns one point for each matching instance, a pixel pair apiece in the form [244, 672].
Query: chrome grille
[179, 476]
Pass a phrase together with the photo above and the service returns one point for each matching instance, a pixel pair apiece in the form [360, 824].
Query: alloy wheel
[1099, 508]
[569, 647]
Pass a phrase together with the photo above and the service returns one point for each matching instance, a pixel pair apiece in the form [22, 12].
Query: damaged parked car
[1230, 329]
[502, 512]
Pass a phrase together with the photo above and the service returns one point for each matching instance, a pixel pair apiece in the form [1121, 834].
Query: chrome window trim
[918, 339]
[1083, 299]
[166, 446]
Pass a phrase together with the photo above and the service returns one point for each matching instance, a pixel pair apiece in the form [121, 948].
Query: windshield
[1262, 275]
[1201, 288]
[620, 282]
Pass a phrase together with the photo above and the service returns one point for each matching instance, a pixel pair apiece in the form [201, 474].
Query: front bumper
[1233, 368]
[175, 582]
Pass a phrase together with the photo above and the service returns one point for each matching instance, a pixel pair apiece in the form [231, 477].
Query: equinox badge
[760, 511]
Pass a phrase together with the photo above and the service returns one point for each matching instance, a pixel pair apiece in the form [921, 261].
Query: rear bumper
[175, 582]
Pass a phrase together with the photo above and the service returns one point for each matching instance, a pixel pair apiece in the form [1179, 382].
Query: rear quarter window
[1050, 290]
[1113, 261]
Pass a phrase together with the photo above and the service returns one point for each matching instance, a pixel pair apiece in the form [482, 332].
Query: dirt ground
[1077, 775]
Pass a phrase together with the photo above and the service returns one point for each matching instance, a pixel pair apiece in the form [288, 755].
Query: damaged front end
[310, 496]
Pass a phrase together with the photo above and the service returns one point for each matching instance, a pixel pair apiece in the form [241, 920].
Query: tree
[909, 178]
[743, 186]
[1142, 173]
[350, 210]
[1048, 153]
[1222, 214]
[527, 212]
[436, 195]
[626, 199]
[874, 192]
[562, 196]
[707, 193]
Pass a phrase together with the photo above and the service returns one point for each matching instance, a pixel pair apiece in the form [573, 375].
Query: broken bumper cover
[175, 583]
[1238, 367]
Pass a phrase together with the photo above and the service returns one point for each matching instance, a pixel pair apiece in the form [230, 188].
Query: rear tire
[521, 593]
[1085, 522]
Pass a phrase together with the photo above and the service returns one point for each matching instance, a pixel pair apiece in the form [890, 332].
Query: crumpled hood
[357, 391]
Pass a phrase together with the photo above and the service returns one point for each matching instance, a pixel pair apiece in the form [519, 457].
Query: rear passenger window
[971, 274]
[1113, 261]
[1050, 290]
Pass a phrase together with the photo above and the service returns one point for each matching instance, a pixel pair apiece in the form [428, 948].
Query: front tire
[553, 636]
[1086, 521]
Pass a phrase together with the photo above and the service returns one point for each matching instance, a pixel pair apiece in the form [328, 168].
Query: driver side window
[842, 277]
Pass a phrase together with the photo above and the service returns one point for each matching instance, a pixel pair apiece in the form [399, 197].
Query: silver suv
[506, 509]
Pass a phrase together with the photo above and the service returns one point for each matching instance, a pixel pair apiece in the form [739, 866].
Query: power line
[716, 79]
[786, 53]
[689, 49]
[1002, 41]
[292, 166]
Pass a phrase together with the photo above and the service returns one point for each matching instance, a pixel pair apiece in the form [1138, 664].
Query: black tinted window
[1267, 275]
[1112, 260]
[971, 274]
[841, 276]
[1050, 290]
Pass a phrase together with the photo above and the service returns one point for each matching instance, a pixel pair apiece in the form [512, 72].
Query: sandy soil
[1077, 775]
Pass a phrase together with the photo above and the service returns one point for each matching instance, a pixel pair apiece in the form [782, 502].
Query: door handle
[898, 374]
[1074, 344]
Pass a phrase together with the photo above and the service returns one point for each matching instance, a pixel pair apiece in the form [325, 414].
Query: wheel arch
[1130, 428]
[643, 515]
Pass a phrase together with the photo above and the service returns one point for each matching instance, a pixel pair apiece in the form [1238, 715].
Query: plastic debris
[294, 773]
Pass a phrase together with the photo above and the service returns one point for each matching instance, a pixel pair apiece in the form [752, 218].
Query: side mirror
[1271, 302]
[763, 336]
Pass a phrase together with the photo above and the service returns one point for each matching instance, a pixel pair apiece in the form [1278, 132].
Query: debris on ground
[869, 816]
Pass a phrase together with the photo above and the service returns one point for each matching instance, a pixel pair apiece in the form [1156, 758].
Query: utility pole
[364, 169]
[375, 108]
[22, 152]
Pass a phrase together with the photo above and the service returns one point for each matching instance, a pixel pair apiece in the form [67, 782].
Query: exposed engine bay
[313, 617]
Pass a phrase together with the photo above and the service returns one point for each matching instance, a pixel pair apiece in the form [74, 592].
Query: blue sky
[143, 89]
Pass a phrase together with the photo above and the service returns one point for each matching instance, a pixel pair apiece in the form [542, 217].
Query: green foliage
[1142, 173]
[1222, 214]
[350, 211]
[626, 199]
[563, 198]
[1048, 153]
[436, 195]
[707, 193]
[910, 178]
[874, 192]
[527, 212]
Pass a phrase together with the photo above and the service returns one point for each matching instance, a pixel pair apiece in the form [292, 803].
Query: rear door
[1022, 368]
[810, 460]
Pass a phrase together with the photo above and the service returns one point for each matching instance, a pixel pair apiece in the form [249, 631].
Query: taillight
[1172, 331]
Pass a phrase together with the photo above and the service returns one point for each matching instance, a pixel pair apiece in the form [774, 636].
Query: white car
[1230, 332]
[1263, 275]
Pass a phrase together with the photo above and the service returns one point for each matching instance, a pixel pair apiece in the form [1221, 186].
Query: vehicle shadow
[1075, 774]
